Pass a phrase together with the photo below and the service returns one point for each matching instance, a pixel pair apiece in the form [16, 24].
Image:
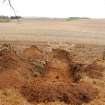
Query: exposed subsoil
[42, 76]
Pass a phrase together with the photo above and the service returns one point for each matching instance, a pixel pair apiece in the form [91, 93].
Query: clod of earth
[56, 78]
[33, 53]
[93, 70]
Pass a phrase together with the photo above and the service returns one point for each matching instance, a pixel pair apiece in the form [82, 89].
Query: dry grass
[87, 31]
[11, 97]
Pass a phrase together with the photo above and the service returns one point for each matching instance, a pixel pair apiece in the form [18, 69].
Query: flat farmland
[91, 31]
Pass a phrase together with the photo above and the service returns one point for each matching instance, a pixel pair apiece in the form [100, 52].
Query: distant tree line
[12, 17]
[15, 17]
[76, 18]
[8, 19]
[4, 17]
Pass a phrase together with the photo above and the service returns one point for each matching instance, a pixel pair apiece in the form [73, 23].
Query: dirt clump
[33, 53]
[58, 67]
[61, 54]
[8, 58]
[77, 71]
[93, 70]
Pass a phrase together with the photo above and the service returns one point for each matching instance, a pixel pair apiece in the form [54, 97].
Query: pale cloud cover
[56, 8]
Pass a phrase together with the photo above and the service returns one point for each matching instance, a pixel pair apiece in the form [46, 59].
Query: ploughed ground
[44, 73]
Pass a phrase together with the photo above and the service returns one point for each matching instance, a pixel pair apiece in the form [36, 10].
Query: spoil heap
[33, 53]
[41, 80]
[58, 83]
[14, 71]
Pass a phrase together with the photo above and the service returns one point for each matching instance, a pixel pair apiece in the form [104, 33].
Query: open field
[86, 31]
[52, 62]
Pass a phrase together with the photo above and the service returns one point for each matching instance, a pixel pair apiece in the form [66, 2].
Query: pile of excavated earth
[35, 76]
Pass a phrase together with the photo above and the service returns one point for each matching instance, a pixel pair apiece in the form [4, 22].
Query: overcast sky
[56, 8]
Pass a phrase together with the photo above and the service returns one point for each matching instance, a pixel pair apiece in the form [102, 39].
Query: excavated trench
[41, 79]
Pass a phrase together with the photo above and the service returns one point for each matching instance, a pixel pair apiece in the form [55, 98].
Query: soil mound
[33, 53]
[59, 78]
[58, 83]
[8, 58]
[58, 68]
[14, 71]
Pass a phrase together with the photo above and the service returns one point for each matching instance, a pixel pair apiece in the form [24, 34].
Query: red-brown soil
[58, 78]
[14, 71]
[33, 53]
